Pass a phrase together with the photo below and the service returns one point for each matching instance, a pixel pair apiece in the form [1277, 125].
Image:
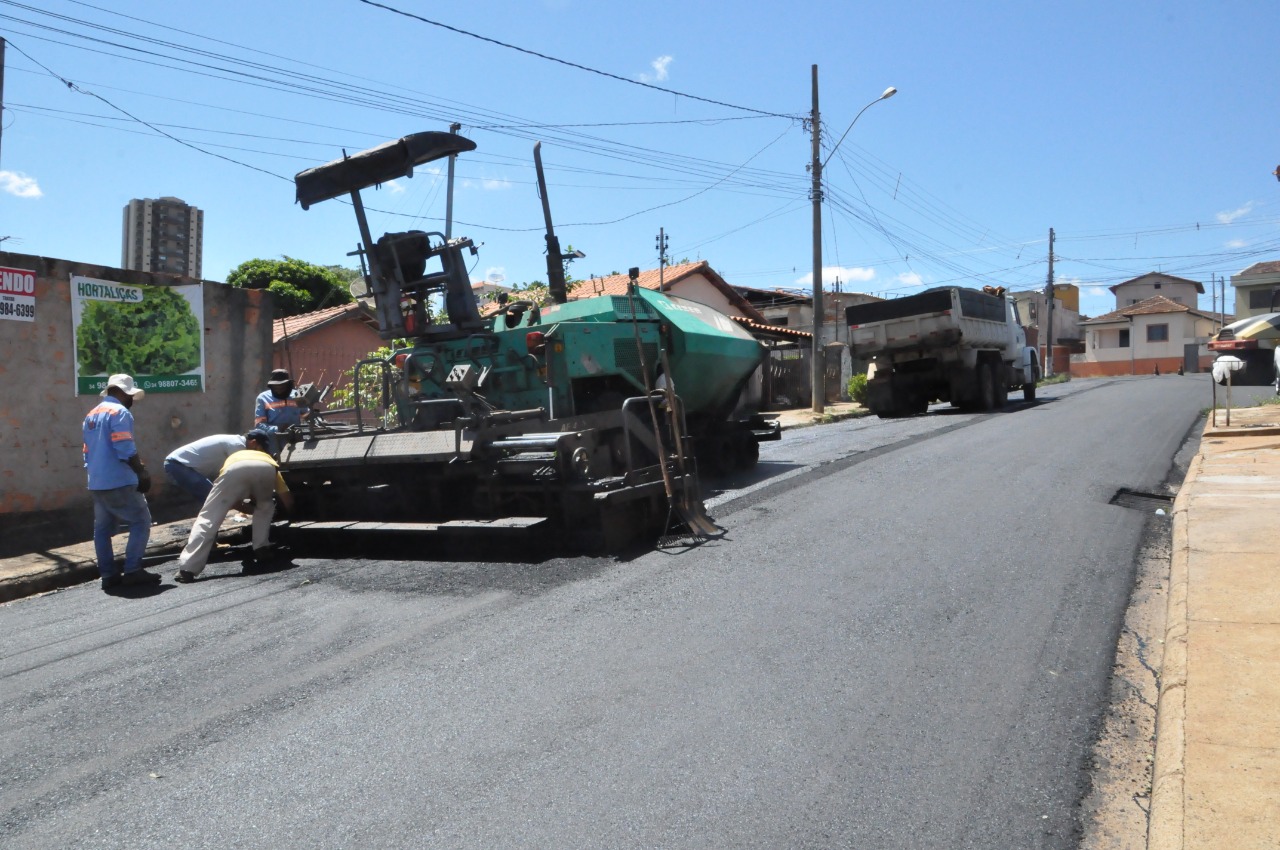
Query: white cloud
[395, 187]
[910, 279]
[1236, 243]
[846, 274]
[495, 183]
[659, 67]
[19, 184]
[1228, 217]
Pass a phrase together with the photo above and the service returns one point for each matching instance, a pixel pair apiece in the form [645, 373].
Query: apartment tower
[163, 235]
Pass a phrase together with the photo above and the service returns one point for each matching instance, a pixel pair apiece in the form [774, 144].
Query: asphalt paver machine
[581, 420]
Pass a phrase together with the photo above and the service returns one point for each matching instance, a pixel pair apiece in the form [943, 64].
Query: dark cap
[260, 435]
[279, 377]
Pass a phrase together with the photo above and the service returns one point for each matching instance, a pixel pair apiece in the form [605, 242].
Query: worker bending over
[250, 475]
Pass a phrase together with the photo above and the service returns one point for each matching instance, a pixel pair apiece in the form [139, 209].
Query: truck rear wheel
[1002, 386]
[986, 387]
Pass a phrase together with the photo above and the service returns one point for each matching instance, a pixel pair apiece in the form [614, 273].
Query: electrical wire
[525, 50]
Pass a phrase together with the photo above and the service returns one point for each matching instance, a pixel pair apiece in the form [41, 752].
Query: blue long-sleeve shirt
[273, 414]
[108, 445]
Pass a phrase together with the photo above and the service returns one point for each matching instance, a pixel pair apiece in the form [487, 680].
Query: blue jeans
[188, 479]
[112, 508]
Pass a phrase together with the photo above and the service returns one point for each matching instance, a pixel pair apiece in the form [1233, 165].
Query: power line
[567, 63]
[73, 87]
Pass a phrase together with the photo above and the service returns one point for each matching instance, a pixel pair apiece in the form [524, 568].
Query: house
[1257, 289]
[486, 291]
[1137, 339]
[1032, 306]
[695, 281]
[318, 347]
[1179, 290]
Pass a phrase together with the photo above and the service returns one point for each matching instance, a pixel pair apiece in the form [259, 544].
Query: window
[1261, 299]
[1157, 333]
[1124, 338]
[1156, 285]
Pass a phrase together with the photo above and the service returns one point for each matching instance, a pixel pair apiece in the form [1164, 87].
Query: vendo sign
[17, 295]
[17, 281]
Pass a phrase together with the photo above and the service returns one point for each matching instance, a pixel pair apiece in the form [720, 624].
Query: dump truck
[583, 421]
[952, 344]
[1255, 341]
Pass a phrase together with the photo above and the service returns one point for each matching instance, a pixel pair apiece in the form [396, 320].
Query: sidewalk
[26, 575]
[1216, 781]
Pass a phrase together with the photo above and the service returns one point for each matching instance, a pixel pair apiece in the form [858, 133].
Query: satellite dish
[496, 278]
[359, 288]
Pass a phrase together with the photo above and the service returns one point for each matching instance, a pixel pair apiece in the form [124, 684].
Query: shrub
[857, 388]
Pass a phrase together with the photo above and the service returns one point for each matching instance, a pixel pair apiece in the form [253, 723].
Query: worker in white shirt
[194, 467]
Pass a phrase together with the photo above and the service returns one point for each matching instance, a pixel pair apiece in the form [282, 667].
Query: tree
[299, 286]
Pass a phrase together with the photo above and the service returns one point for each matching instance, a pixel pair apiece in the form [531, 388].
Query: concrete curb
[1168, 796]
[42, 572]
[808, 419]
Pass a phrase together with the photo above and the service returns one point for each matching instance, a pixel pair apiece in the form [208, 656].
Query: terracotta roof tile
[617, 285]
[768, 330]
[1272, 267]
[1152, 305]
[306, 322]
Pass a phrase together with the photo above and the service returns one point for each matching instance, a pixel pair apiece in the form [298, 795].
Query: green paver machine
[583, 419]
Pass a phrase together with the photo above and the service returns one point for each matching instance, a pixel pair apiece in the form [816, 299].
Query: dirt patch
[1114, 813]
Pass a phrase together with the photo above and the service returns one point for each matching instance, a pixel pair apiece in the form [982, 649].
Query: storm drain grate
[1138, 500]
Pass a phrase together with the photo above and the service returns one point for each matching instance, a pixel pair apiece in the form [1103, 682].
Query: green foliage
[1060, 378]
[290, 300]
[156, 336]
[344, 394]
[537, 291]
[857, 388]
[310, 287]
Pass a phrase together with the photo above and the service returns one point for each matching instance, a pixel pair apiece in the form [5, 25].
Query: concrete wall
[43, 498]
[1138, 366]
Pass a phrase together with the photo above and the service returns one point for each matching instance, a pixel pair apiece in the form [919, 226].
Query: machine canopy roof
[376, 165]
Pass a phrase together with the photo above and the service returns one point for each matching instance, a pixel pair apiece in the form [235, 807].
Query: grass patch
[1060, 378]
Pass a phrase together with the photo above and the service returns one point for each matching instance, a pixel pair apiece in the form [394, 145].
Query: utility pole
[1213, 297]
[819, 308]
[1, 86]
[1048, 297]
[662, 256]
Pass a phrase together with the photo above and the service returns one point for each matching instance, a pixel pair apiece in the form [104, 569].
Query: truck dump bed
[932, 319]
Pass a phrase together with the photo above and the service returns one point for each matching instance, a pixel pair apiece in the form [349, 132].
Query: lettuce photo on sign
[158, 335]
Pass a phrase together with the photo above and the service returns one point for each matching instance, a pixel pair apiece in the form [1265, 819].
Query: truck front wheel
[1029, 392]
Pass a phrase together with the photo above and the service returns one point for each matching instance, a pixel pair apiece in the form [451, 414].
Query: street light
[888, 93]
[818, 373]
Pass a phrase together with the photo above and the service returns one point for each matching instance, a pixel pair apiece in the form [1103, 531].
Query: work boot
[111, 582]
[267, 558]
[138, 577]
[184, 577]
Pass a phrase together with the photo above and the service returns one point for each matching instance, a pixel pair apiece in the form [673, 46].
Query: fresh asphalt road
[903, 641]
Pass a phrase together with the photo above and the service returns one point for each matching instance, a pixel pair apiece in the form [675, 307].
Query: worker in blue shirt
[117, 481]
[275, 411]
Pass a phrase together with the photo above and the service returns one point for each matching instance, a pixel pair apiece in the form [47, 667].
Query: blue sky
[1143, 132]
